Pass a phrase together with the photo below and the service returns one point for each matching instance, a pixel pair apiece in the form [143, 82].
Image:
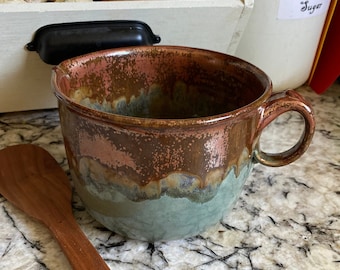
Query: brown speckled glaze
[149, 122]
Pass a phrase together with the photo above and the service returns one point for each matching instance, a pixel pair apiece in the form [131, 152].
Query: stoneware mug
[160, 140]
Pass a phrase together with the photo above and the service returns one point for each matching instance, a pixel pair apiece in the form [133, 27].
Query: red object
[327, 69]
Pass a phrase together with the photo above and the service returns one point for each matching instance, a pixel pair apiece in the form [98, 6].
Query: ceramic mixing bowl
[160, 140]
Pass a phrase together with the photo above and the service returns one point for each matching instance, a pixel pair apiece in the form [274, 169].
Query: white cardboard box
[25, 79]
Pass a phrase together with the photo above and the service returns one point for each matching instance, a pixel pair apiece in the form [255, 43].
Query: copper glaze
[150, 121]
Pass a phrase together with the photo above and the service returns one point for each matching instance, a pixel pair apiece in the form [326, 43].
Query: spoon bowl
[32, 180]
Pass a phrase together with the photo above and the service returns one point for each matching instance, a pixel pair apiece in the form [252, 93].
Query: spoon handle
[76, 246]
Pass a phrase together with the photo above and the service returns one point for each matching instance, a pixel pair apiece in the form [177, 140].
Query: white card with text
[299, 9]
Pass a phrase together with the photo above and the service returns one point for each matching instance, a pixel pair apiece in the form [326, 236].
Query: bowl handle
[278, 104]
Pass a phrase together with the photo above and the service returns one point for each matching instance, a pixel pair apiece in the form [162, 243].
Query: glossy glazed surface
[169, 216]
[156, 122]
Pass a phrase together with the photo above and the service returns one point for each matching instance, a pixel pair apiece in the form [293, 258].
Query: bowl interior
[161, 82]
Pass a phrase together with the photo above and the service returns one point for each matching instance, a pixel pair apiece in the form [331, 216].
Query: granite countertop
[286, 218]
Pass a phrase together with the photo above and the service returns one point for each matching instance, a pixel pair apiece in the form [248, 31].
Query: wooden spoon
[32, 180]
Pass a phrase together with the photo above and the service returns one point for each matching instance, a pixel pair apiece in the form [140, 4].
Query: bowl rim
[61, 70]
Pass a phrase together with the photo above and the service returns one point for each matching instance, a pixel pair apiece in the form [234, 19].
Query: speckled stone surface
[286, 218]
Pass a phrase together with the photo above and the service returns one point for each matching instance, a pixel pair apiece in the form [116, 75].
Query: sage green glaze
[164, 218]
